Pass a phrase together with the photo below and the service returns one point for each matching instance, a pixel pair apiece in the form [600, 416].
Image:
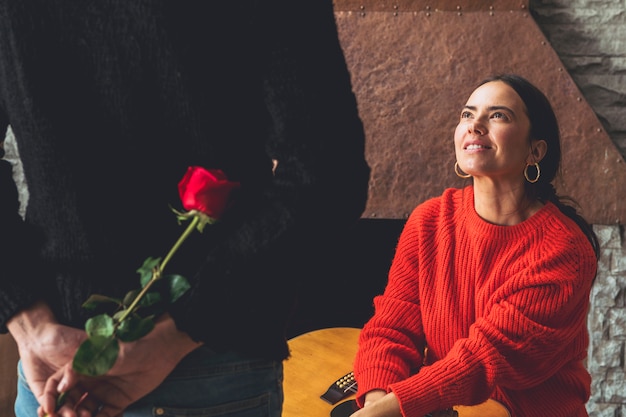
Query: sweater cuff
[411, 405]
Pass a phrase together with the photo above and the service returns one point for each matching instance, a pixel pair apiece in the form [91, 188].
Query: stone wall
[590, 38]
[607, 327]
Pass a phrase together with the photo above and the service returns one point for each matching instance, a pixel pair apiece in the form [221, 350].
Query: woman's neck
[503, 205]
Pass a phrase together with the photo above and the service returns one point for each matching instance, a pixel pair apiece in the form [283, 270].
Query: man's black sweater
[110, 102]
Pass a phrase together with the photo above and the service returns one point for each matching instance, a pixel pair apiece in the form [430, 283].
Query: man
[110, 102]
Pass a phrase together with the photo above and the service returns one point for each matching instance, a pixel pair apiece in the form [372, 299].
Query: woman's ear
[538, 149]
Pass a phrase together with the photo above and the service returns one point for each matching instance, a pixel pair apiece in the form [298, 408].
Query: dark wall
[338, 291]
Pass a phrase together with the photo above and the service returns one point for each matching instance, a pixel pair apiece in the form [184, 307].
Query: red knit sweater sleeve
[502, 310]
[392, 342]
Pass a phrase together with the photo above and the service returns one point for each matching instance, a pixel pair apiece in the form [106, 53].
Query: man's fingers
[64, 396]
[88, 406]
[107, 411]
[64, 408]
[48, 399]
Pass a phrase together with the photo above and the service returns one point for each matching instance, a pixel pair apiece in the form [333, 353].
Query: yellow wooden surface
[320, 357]
[317, 360]
[490, 408]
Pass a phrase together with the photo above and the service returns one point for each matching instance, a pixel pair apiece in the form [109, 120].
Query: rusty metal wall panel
[413, 69]
[429, 5]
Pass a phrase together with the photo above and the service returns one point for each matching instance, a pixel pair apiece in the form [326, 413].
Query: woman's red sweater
[502, 311]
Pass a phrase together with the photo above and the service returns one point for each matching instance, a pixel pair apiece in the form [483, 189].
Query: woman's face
[492, 139]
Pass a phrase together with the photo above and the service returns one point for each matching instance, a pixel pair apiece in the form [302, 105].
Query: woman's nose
[476, 127]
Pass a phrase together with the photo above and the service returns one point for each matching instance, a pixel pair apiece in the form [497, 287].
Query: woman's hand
[378, 403]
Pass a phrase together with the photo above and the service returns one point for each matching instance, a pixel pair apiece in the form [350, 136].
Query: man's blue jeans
[204, 384]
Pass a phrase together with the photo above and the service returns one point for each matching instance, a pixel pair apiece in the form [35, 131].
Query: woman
[488, 291]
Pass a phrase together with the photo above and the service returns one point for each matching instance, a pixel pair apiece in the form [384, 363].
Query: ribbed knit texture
[502, 310]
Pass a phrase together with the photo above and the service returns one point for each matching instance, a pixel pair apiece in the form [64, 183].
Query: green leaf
[96, 299]
[150, 298]
[100, 326]
[96, 356]
[130, 297]
[134, 328]
[146, 270]
[119, 314]
[178, 285]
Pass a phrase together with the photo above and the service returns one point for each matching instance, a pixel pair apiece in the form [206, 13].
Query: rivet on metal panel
[373, 215]
[427, 7]
[543, 42]
[579, 99]
[491, 13]
[523, 6]
[428, 14]
[560, 69]
[490, 7]
[459, 14]
[458, 7]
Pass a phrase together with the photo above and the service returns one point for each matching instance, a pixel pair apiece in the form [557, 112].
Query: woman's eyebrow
[490, 108]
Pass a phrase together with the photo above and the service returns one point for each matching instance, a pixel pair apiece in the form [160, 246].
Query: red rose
[205, 194]
[207, 191]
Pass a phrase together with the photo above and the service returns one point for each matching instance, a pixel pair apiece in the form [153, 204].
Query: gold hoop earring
[538, 173]
[458, 173]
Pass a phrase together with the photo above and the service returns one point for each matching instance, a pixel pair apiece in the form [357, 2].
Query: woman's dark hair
[544, 125]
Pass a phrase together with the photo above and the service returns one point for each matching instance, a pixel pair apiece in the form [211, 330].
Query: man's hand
[44, 345]
[141, 367]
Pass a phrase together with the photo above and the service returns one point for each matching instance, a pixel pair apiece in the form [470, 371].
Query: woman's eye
[499, 115]
[466, 115]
